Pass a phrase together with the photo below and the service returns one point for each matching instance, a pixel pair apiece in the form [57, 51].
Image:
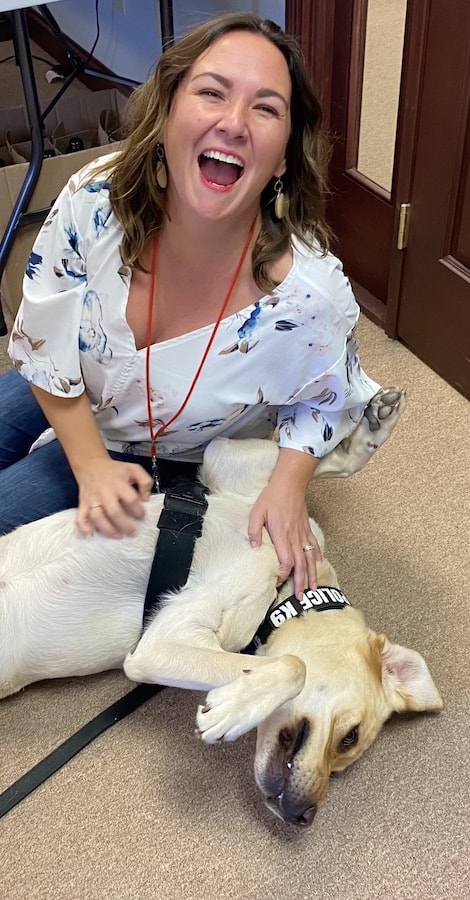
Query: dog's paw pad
[385, 402]
[381, 415]
[227, 713]
[211, 724]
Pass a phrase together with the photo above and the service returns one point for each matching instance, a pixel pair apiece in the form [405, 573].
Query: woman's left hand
[281, 509]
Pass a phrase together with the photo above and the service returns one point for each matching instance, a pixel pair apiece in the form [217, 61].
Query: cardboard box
[13, 122]
[21, 152]
[82, 112]
[61, 140]
[53, 176]
[5, 158]
[95, 118]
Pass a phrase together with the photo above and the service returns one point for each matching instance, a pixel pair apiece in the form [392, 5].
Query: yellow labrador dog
[320, 685]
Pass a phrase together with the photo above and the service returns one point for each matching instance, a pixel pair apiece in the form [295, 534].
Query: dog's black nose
[290, 813]
[307, 816]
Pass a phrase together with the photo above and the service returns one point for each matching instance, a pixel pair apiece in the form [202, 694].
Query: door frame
[313, 26]
[414, 51]
[338, 82]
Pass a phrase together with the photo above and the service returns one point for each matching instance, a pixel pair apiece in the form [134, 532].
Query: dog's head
[355, 679]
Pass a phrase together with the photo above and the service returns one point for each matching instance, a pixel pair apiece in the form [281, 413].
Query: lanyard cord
[154, 435]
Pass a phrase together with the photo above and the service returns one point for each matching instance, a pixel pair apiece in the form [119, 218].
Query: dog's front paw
[226, 715]
[235, 708]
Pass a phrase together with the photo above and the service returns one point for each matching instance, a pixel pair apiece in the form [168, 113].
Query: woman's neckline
[280, 288]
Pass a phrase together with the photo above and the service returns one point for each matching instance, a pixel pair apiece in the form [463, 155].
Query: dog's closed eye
[350, 739]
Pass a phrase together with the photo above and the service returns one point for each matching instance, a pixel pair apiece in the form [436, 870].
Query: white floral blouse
[288, 360]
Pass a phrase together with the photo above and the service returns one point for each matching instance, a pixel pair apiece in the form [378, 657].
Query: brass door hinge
[404, 226]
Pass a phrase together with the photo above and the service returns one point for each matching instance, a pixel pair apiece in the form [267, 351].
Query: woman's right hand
[111, 497]
[111, 494]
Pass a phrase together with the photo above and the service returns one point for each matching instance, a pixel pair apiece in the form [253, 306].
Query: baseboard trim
[372, 308]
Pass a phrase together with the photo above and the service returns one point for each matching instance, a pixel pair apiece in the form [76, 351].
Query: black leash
[180, 524]
[69, 748]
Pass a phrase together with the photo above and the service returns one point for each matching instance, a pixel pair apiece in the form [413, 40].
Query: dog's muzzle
[281, 797]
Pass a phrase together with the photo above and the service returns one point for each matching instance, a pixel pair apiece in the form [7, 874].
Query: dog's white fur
[319, 691]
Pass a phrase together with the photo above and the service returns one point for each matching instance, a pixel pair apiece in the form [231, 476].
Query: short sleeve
[328, 407]
[44, 343]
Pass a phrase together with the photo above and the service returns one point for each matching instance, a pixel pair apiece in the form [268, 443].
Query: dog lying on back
[319, 687]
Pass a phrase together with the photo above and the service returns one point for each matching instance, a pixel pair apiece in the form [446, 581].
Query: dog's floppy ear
[407, 680]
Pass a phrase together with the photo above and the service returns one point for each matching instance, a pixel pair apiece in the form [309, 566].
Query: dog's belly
[86, 633]
[71, 605]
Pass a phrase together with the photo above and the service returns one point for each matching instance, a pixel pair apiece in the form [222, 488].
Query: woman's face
[228, 129]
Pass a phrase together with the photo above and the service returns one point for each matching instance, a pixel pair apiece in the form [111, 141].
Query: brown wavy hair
[138, 201]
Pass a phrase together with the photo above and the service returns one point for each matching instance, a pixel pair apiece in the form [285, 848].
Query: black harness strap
[180, 523]
[323, 598]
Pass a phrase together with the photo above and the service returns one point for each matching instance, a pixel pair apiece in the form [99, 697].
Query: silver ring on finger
[309, 547]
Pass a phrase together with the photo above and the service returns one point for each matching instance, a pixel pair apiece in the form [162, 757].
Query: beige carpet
[147, 812]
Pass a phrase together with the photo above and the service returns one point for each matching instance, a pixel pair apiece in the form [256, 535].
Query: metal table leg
[25, 63]
[35, 119]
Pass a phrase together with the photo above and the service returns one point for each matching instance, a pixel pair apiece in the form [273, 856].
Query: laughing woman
[182, 290]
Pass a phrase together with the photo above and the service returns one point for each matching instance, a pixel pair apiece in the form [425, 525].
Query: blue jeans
[41, 483]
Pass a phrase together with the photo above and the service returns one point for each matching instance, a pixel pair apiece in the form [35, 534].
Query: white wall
[130, 40]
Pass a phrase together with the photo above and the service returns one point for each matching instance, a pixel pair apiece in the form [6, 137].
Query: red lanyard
[155, 434]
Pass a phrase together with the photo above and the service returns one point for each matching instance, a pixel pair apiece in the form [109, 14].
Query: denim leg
[42, 483]
[21, 419]
[35, 485]
[38, 485]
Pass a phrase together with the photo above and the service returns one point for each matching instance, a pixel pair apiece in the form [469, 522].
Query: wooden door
[429, 306]
[421, 293]
[362, 212]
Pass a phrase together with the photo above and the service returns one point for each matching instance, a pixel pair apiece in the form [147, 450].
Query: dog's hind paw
[380, 417]
[383, 411]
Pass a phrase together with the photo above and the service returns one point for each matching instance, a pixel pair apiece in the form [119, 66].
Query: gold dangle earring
[281, 203]
[161, 172]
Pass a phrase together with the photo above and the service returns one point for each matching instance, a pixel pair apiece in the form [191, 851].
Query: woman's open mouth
[221, 169]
